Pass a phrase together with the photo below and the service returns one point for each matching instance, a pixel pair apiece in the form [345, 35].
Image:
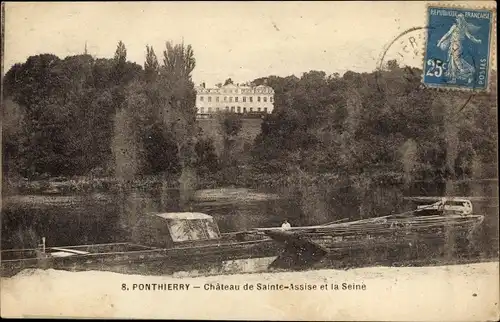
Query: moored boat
[425, 232]
[162, 243]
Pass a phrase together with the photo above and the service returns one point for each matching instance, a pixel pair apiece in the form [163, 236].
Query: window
[251, 109]
[201, 98]
[227, 108]
[265, 110]
[244, 110]
[258, 99]
[271, 99]
[244, 99]
[251, 99]
[232, 108]
[230, 98]
[455, 203]
[238, 109]
[210, 98]
[265, 99]
[236, 99]
[258, 109]
[209, 110]
[217, 109]
[202, 110]
[225, 98]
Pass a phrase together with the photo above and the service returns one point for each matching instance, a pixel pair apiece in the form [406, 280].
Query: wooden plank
[141, 246]
[73, 251]
[95, 245]
[336, 221]
[436, 198]
[383, 225]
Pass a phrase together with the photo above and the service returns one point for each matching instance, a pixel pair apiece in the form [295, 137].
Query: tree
[52, 93]
[120, 53]
[151, 66]
[392, 65]
[68, 110]
[127, 149]
[123, 72]
[178, 110]
[228, 81]
[13, 123]
[206, 161]
[230, 125]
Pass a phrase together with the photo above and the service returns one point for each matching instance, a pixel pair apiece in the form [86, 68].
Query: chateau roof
[231, 87]
[182, 215]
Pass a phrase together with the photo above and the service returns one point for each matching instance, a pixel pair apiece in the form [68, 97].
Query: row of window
[243, 90]
[250, 99]
[247, 91]
[232, 109]
[230, 91]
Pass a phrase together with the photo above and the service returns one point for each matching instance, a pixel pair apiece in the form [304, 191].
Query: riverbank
[245, 176]
[455, 292]
[232, 177]
[82, 184]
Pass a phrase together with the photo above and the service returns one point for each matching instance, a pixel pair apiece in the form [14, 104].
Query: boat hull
[135, 259]
[386, 241]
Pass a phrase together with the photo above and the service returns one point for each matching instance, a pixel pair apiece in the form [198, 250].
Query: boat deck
[67, 251]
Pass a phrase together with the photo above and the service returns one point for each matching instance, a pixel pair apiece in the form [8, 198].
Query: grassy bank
[229, 177]
[78, 185]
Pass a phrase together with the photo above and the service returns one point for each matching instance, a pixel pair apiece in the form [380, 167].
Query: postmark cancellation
[458, 47]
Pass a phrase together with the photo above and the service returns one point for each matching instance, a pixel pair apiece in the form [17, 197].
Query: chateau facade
[234, 98]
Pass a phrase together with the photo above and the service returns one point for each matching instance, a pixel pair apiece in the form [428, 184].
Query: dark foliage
[63, 116]
[370, 122]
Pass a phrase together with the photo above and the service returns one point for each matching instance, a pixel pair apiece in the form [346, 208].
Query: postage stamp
[458, 50]
[284, 161]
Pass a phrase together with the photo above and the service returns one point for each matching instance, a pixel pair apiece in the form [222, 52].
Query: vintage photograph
[250, 160]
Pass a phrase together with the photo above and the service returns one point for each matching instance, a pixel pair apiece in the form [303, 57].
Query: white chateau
[239, 99]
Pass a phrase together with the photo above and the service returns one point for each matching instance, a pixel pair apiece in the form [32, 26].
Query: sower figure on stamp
[458, 68]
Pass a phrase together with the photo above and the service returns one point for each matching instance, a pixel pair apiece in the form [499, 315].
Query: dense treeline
[383, 122]
[82, 116]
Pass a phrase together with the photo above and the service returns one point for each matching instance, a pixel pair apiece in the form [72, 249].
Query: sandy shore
[457, 292]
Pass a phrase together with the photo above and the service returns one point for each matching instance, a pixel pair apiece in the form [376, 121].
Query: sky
[240, 40]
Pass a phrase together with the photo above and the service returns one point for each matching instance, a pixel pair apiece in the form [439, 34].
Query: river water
[104, 217]
[108, 217]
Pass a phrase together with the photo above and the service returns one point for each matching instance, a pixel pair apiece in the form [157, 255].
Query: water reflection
[109, 217]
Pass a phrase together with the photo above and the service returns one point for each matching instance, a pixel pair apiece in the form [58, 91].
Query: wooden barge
[424, 233]
[162, 243]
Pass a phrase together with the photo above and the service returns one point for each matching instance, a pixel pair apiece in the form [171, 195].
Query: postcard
[318, 161]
